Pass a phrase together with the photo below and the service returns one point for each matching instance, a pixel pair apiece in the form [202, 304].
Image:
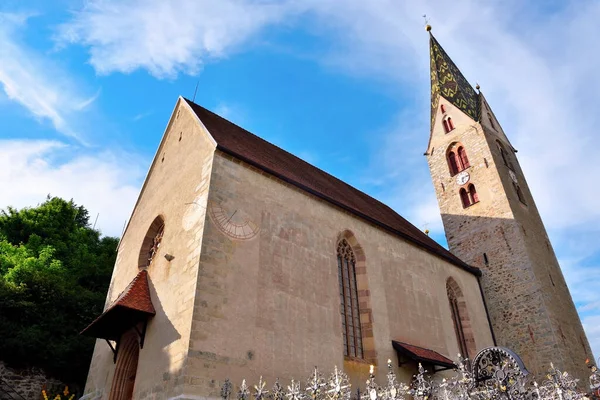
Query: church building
[241, 260]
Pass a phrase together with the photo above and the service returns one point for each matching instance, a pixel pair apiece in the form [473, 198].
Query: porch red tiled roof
[132, 306]
[421, 354]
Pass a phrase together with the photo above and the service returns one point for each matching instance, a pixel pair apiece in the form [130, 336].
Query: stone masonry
[528, 300]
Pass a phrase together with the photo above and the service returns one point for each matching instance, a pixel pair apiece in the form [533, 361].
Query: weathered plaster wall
[176, 189]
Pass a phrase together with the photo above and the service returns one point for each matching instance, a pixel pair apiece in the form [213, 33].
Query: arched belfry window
[448, 124]
[473, 194]
[457, 158]
[453, 163]
[462, 157]
[349, 310]
[151, 242]
[460, 319]
[464, 198]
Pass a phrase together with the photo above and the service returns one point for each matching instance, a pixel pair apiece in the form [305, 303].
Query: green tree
[54, 274]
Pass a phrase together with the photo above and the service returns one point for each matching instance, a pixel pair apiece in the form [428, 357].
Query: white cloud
[536, 67]
[165, 37]
[35, 82]
[104, 183]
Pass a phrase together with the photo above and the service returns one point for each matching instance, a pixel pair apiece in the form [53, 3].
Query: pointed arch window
[460, 319]
[462, 157]
[351, 329]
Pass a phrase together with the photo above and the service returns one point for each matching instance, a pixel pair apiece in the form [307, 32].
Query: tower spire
[447, 81]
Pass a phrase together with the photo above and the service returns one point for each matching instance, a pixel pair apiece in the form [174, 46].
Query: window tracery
[151, 243]
[349, 309]
[460, 319]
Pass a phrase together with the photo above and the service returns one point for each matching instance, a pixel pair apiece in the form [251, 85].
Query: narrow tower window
[446, 126]
[452, 162]
[450, 124]
[486, 261]
[462, 156]
[443, 108]
[464, 197]
[349, 301]
[473, 194]
[519, 193]
[491, 121]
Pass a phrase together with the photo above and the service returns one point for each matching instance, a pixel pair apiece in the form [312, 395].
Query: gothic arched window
[460, 319]
[453, 163]
[457, 318]
[462, 156]
[151, 242]
[443, 108]
[349, 310]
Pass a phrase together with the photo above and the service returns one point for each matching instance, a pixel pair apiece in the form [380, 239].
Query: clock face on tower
[462, 178]
[233, 222]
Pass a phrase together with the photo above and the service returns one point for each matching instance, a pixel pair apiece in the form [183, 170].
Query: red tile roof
[421, 354]
[132, 306]
[245, 146]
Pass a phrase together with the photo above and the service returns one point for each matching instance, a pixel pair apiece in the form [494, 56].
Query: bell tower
[491, 222]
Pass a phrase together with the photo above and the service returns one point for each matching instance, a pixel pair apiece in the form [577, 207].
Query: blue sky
[87, 87]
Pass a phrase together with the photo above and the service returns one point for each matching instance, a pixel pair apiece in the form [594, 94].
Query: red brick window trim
[348, 249]
[456, 155]
[460, 319]
[349, 310]
[448, 124]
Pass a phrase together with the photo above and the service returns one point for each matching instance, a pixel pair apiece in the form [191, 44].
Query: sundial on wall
[233, 221]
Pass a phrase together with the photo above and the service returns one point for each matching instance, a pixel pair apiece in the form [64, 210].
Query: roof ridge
[239, 143]
[282, 149]
[304, 161]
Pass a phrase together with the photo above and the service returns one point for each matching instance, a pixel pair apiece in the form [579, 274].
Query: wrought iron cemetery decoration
[496, 373]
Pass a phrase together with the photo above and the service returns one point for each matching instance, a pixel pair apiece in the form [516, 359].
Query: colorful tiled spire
[449, 82]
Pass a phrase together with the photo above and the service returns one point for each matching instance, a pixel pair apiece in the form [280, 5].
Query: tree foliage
[54, 274]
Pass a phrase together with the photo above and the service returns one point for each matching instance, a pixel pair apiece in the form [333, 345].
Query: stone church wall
[270, 305]
[176, 189]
